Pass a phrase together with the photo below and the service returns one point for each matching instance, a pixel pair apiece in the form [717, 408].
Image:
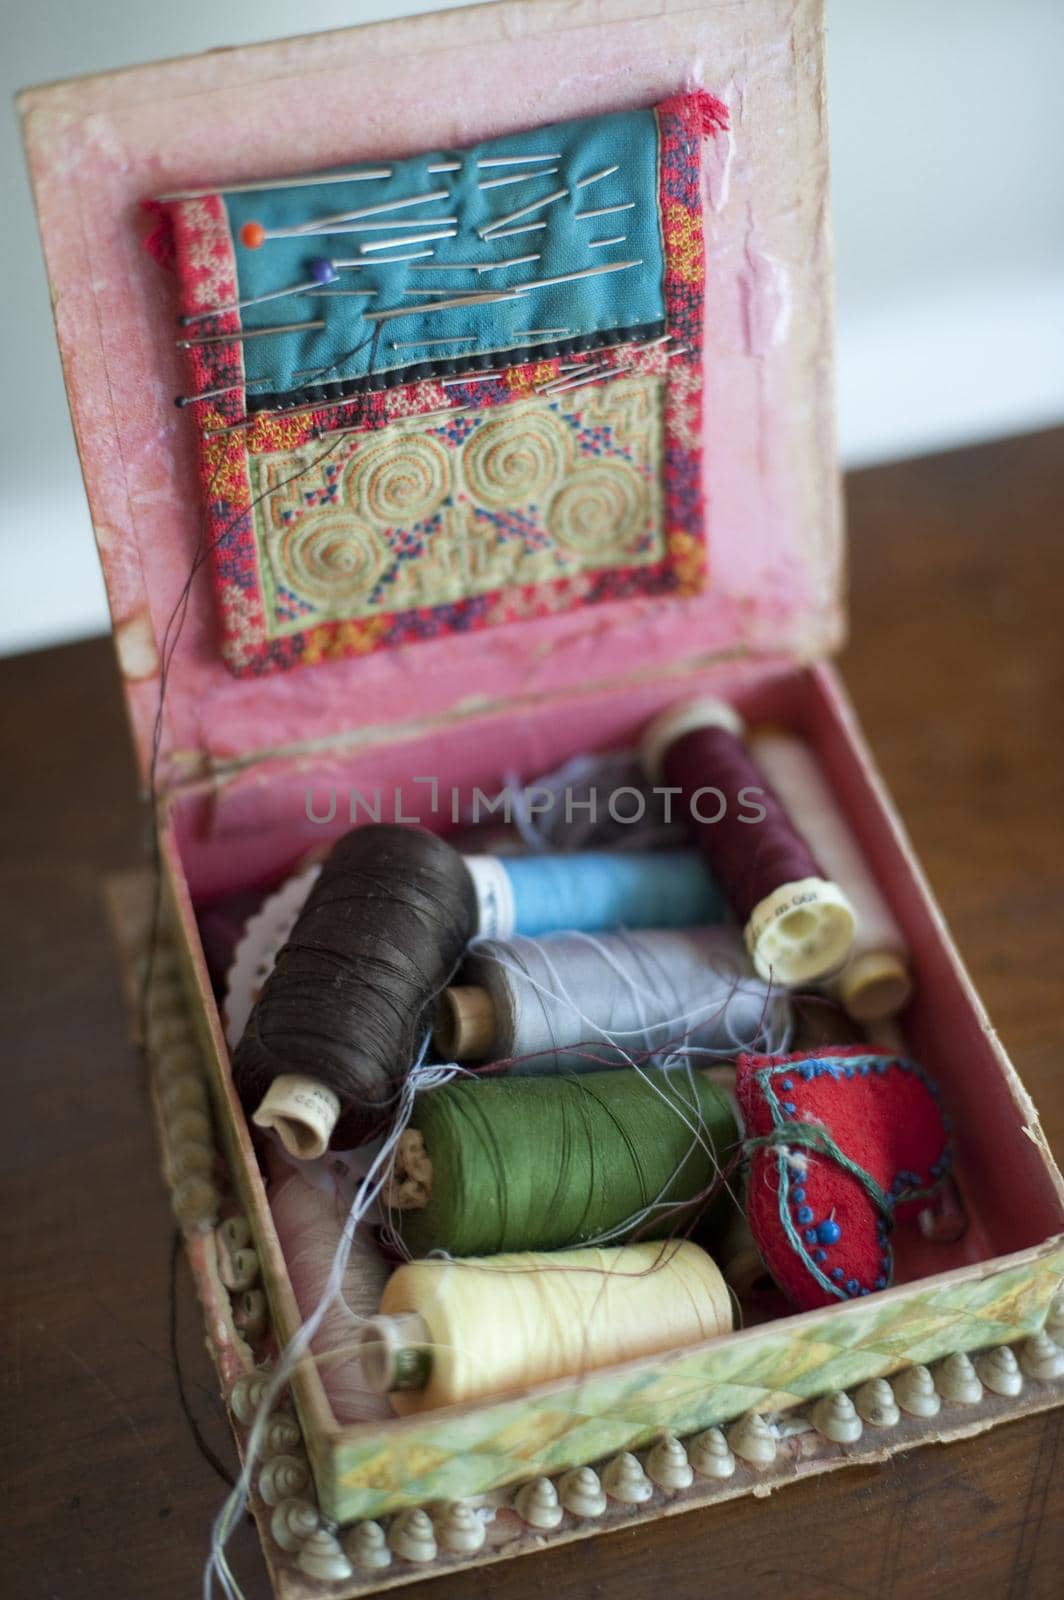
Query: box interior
[248, 834]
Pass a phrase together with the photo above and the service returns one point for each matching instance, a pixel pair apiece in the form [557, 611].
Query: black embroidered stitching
[450, 367]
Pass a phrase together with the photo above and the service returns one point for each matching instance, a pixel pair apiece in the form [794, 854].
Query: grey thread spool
[613, 995]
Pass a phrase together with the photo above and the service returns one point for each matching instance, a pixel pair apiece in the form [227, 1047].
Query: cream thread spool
[875, 982]
[797, 931]
[451, 1331]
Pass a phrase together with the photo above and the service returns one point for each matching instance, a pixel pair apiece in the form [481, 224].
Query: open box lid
[100, 146]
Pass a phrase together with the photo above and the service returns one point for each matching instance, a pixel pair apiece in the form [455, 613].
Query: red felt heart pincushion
[869, 1143]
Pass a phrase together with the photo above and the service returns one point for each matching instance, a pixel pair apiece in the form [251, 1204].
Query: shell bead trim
[321, 1556]
[957, 1380]
[1042, 1358]
[667, 1464]
[710, 1456]
[1055, 1317]
[234, 1234]
[283, 1436]
[195, 1202]
[915, 1392]
[250, 1315]
[283, 1478]
[292, 1523]
[412, 1535]
[1000, 1371]
[581, 1492]
[183, 1093]
[459, 1529]
[246, 1395]
[625, 1480]
[240, 1270]
[753, 1441]
[192, 1159]
[367, 1546]
[537, 1502]
[875, 1404]
[834, 1416]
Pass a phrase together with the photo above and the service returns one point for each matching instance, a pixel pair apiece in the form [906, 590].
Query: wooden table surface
[956, 664]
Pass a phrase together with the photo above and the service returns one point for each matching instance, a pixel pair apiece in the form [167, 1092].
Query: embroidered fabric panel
[335, 526]
[436, 513]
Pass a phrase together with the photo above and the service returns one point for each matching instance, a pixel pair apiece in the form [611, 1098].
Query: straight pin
[479, 266]
[570, 277]
[448, 292]
[592, 369]
[444, 166]
[596, 244]
[382, 227]
[211, 394]
[596, 377]
[595, 176]
[517, 177]
[413, 238]
[516, 161]
[365, 294]
[253, 234]
[321, 271]
[276, 183]
[525, 211]
[417, 344]
[474, 377]
[374, 211]
[510, 233]
[358, 266]
[442, 305]
[250, 333]
[541, 333]
[603, 211]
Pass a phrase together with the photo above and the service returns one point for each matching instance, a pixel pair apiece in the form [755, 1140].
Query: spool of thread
[309, 1221]
[341, 1017]
[534, 894]
[797, 923]
[453, 1332]
[497, 1164]
[592, 890]
[578, 1002]
[875, 982]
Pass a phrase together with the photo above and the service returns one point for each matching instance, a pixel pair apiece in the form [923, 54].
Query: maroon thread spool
[798, 925]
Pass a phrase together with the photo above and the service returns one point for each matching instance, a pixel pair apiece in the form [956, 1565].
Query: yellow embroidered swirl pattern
[425, 513]
[518, 459]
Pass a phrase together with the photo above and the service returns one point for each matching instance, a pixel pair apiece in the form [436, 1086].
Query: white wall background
[948, 153]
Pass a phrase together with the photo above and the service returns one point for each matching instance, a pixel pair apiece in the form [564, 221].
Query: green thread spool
[507, 1164]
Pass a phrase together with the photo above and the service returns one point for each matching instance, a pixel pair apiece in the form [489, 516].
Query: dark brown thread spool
[342, 1016]
[797, 924]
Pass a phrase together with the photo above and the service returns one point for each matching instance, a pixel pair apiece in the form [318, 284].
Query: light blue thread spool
[593, 892]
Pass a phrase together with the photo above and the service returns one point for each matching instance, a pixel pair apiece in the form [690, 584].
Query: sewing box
[477, 673]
